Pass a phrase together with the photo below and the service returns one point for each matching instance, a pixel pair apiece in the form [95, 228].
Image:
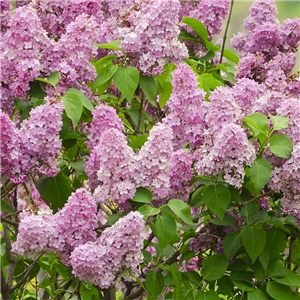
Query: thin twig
[225, 33]
[253, 199]
[9, 221]
[30, 268]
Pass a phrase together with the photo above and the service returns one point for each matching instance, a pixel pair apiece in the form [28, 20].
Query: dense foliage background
[143, 159]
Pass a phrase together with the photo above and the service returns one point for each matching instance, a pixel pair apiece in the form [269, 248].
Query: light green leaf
[53, 79]
[214, 266]
[127, 81]
[260, 173]
[154, 284]
[281, 145]
[83, 98]
[197, 26]
[73, 107]
[279, 122]
[105, 73]
[148, 211]
[217, 198]
[254, 240]
[115, 45]
[142, 195]
[278, 291]
[182, 210]
[258, 125]
[231, 56]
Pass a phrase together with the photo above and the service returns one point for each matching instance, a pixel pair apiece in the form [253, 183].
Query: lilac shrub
[141, 159]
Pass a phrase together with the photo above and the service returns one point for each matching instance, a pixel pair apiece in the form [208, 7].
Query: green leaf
[231, 243]
[53, 79]
[278, 291]
[164, 96]
[249, 210]
[148, 86]
[176, 276]
[258, 125]
[165, 230]
[127, 81]
[79, 168]
[182, 210]
[231, 56]
[186, 36]
[207, 295]
[227, 221]
[257, 295]
[217, 198]
[5, 207]
[260, 173]
[56, 190]
[290, 280]
[73, 107]
[197, 26]
[138, 141]
[214, 266]
[115, 45]
[243, 286]
[279, 122]
[105, 60]
[142, 195]
[281, 145]
[105, 73]
[83, 98]
[154, 284]
[254, 240]
[148, 211]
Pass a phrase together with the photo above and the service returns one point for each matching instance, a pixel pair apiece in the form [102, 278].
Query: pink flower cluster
[35, 146]
[118, 248]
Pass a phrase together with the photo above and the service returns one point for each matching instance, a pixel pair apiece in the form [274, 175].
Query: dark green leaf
[127, 81]
[243, 286]
[257, 295]
[148, 86]
[186, 36]
[214, 266]
[227, 221]
[217, 198]
[5, 207]
[249, 210]
[56, 189]
[254, 240]
[182, 210]
[290, 280]
[154, 284]
[281, 145]
[207, 295]
[231, 243]
[176, 276]
[278, 291]
[165, 229]
[73, 107]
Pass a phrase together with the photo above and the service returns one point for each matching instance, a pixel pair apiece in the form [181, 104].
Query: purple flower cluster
[150, 35]
[210, 13]
[115, 169]
[5, 16]
[230, 152]
[39, 139]
[117, 248]
[186, 108]
[35, 146]
[22, 55]
[268, 48]
[286, 179]
[104, 117]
